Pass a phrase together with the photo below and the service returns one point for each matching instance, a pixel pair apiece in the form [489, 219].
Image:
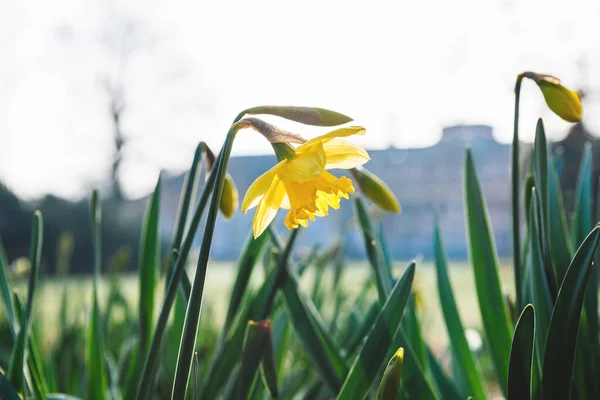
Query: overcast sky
[403, 70]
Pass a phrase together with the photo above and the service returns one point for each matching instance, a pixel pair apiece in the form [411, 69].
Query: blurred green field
[220, 277]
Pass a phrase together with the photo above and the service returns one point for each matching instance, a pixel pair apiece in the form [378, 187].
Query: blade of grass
[96, 374]
[484, 259]
[378, 342]
[521, 356]
[17, 365]
[383, 277]
[561, 342]
[454, 326]
[148, 268]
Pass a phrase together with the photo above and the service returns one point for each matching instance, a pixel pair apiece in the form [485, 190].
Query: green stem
[515, 198]
[151, 364]
[192, 317]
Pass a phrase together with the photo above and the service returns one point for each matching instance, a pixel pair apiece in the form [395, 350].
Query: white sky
[402, 69]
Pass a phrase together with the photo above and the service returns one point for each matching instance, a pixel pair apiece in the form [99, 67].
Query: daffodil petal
[267, 208]
[257, 190]
[341, 154]
[342, 132]
[305, 166]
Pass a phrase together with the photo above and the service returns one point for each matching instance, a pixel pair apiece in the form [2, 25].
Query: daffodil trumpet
[300, 182]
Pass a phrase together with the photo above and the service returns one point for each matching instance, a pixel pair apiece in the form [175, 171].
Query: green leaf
[96, 374]
[6, 292]
[484, 259]
[177, 279]
[416, 381]
[543, 193]
[561, 249]
[246, 263]
[187, 197]
[521, 356]
[17, 366]
[456, 330]
[313, 333]
[561, 342]
[148, 268]
[365, 327]
[443, 383]
[38, 383]
[268, 369]
[582, 224]
[378, 342]
[305, 115]
[538, 281]
[60, 396]
[7, 391]
[382, 274]
[256, 340]
[582, 221]
[192, 316]
[390, 382]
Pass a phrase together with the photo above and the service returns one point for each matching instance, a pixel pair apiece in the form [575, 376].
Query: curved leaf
[483, 254]
[456, 331]
[374, 351]
[561, 342]
[521, 356]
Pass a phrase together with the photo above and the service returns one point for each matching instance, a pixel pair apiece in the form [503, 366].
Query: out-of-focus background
[111, 94]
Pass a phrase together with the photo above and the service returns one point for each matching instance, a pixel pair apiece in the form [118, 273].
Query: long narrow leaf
[561, 249]
[17, 366]
[561, 342]
[177, 279]
[246, 263]
[7, 391]
[542, 194]
[148, 268]
[96, 374]
[317, 342]
[192, 316]
[456, 331]
[382, 274]
[494, 314]
[538, 281]
[521, 356]
[6, 292]
[374, 351]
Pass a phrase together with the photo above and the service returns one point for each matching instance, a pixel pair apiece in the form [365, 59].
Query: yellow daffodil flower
[302, 184]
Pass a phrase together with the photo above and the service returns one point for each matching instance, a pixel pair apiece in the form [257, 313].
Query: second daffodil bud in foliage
[390, 382]
[564, 102]
[230, 198]
[375, 189]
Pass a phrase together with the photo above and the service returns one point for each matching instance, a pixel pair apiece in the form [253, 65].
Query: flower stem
[515, 197]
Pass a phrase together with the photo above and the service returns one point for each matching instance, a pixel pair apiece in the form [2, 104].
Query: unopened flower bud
[375, 189]
[562, 101]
